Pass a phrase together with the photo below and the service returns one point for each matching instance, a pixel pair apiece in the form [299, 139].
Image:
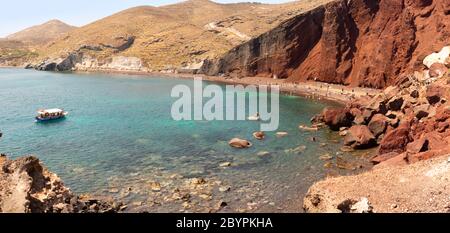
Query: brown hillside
[41, 34]
[15, 53]
[175, 35]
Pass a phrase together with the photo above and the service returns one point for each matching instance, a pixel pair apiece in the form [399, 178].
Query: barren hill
[41, 34]
[173, 36]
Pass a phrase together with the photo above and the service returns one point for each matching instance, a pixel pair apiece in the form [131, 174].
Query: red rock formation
[359, 137]
[359, 43]
[336, 118]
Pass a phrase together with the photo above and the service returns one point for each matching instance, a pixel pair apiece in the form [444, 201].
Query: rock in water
[281, 134]
[326, 157]
[155, 186]
[259, 135]
[239, 143]
[263, 153]
[225, 164]
[344, 164]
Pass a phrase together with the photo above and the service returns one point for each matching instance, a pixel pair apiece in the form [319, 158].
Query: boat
[50, 114]
[254, 118]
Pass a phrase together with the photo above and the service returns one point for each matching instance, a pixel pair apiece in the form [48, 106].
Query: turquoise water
[119, 137]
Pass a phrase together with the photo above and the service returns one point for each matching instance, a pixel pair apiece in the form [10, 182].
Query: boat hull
[39, 119]
[51, 118]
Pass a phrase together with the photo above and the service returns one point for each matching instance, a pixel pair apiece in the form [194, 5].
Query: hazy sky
[16, 15]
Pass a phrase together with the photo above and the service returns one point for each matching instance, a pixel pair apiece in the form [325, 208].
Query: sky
[16, 15]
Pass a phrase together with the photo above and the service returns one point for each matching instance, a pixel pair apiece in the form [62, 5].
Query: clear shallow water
[119, 138]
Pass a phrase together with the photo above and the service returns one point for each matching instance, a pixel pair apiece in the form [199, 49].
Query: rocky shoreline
[27, 186]
[409, 123]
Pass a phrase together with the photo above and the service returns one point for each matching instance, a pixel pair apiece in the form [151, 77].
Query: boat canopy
[50, 111]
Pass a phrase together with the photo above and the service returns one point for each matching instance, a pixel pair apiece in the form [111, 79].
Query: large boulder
[440, 57]
[359, 137]
[438, 70]
[435, 93]
[443, 113]
[378, 103]
[395, 103]
[391, 91]
[421, 111]
[396, 139]
[47, 66]
[336, 118]
[384, 157]
[358, 117]
[378, 124]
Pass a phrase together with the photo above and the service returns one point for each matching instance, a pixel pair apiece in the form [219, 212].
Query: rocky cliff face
[28, 187]
[353, 42]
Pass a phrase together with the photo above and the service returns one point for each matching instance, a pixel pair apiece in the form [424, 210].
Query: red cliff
[354, 42]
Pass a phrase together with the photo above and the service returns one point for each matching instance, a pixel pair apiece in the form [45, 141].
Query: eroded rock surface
[26, 186]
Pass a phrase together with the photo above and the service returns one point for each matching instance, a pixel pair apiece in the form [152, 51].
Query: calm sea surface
[120, 140]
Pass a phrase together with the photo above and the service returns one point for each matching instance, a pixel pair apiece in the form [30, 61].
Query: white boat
[254, 118]
[50, 114]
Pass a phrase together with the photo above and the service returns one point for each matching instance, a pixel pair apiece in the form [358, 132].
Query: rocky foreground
[410, 124]
[26, 186]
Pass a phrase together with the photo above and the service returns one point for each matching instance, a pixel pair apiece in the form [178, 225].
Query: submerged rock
[259, 135]
[326, 157]
[155, 186]
[344, 164]
[307, 128]
[225, 188]
[225, 164]
[281, 134]
[263, 153]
